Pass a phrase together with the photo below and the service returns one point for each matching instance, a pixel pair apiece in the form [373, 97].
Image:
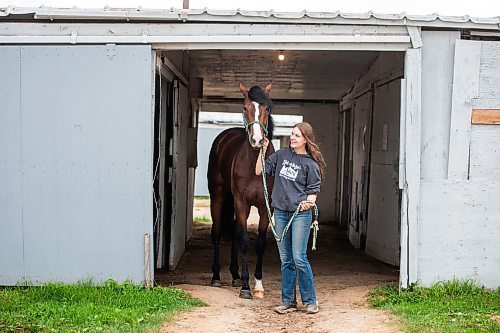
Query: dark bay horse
[234, 188]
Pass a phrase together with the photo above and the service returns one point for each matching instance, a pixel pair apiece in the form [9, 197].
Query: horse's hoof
[246, 294]
[237, 283]
[258, 294]
[216, 283]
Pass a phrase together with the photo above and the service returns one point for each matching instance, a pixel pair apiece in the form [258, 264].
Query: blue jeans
[293, 254]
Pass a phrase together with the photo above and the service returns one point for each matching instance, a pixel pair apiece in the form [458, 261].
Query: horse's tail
[227, 216]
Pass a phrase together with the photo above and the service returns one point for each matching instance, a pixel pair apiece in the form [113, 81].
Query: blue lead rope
[314, 225]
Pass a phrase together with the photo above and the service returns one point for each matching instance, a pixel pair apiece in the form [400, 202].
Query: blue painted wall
[75, 166]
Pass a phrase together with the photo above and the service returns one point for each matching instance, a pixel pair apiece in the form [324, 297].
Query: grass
[86, 307]
[202, 219]
[453, 306]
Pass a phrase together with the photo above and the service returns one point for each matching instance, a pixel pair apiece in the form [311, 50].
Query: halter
[248, 124]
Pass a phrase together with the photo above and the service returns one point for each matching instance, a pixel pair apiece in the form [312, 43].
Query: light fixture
[281, 56]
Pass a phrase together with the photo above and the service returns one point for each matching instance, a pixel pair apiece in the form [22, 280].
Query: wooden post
[147, 267]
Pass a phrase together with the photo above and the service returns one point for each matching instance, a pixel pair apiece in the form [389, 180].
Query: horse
[234, 188]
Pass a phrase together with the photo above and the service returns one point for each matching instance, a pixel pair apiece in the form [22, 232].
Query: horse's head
[257, 114]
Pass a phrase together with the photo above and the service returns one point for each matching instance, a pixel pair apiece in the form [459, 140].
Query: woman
[298, 171]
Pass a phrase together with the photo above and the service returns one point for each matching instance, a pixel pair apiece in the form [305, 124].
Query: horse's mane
[257, 94]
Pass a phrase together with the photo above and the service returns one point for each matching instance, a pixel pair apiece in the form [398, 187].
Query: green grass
[445, 307]
[202, 219]
[202, 197]
[89, 308]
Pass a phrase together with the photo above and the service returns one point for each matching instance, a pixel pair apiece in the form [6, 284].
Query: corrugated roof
[193, 15]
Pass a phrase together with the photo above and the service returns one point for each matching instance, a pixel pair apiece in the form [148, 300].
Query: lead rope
[314, 225]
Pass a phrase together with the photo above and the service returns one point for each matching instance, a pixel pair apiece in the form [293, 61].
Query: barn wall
[76, 187]
[11, 179]
[459, 223]
[459, 231]
[374, 101]
[437, 80]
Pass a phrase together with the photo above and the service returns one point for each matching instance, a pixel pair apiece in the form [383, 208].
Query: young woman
[298, 171]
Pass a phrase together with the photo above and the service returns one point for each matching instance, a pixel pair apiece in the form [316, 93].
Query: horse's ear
[243, 90]
[268, 88]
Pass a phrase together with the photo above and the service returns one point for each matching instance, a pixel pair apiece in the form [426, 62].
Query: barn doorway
[352, 99]
[162, 166]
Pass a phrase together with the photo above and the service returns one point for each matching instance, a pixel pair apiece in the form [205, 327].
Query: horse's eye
[245, 109]
[268, 109]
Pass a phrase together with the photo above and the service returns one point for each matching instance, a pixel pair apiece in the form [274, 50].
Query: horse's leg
[260, 246]
[216, 203]
[242, 211]
[228, 221]
[234, 268]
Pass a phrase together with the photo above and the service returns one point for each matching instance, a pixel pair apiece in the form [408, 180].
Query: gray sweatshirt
[296, 176]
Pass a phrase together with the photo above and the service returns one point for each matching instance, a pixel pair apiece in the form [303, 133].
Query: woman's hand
[265, 144]
[305, 206]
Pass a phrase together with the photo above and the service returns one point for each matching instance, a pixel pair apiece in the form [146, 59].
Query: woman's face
[297, 140]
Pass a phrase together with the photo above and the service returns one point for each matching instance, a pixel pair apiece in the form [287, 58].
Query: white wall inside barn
[459, 224]
[76, 141]
[206, 136]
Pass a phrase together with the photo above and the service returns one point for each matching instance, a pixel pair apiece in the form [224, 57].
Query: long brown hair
[312, 147]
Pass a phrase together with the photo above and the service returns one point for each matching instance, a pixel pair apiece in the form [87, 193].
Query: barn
[99, 129]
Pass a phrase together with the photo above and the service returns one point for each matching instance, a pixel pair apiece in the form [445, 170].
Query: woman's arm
[313, 186]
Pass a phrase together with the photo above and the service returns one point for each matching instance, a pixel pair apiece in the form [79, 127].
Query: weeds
[202, 219]
[86, 307]
[455, 306]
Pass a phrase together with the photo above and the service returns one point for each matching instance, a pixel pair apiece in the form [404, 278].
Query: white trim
[416, 38]
[239, 39]
[411, 192]
[193, 29]
[403, 242]
[286, 46]
[402, 137]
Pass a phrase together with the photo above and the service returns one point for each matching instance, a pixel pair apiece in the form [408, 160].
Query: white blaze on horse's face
[258, 131]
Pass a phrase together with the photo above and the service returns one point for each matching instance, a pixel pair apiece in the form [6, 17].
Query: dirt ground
[343, 277]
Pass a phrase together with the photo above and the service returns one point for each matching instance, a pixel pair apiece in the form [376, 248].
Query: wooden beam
[486, 116]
